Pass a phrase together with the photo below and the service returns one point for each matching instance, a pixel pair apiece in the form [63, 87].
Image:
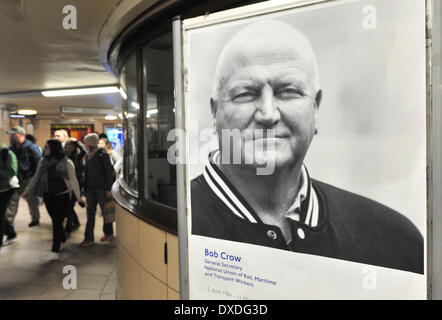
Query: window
[130, 114]
[159, 119]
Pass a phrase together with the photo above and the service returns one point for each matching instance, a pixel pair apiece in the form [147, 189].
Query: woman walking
[75, 152]
[8, 172]
[55, 180]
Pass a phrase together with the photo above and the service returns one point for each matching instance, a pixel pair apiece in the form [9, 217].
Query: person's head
[91, 141]
[70, 146]
[105, 144]
[61, 135]
[17, 135]
[267, 78]
[53, 149]
[102, 136]
[31, 138]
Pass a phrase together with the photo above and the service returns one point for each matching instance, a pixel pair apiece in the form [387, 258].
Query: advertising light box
[305, 158]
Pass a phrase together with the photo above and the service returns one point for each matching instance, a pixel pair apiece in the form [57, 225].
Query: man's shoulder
[353, 209]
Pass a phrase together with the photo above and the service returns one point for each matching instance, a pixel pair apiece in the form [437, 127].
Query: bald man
[266, 89]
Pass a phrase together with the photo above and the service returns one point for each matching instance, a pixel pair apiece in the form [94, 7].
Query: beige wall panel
[152, 288]
[152, 242]
[131, 234]
[173, 277]
[128, 273]
[172, 294]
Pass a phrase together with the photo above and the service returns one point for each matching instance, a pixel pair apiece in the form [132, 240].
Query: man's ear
[318, 98]
[213, 107]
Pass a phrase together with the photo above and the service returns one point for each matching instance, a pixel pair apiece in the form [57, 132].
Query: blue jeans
[95, 196]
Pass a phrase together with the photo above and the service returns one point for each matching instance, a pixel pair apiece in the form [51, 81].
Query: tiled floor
[23, 275]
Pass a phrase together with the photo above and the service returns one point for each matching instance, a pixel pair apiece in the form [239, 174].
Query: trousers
[57, 206]
[95, 196]
[5, 226]
[31, 199]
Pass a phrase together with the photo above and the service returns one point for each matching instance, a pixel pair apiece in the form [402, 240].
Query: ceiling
[38, 53]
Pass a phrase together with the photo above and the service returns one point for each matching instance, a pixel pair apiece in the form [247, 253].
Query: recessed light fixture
[80, 92]
[27, 112]
[110, 117]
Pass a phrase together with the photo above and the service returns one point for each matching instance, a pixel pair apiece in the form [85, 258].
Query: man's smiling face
[266, 83]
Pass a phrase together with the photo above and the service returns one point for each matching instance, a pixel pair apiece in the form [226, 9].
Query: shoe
[11, 236]
[51, 256]
[8, 242]
[75, 226]
[107, 238]
[86, 244]
[33, 223]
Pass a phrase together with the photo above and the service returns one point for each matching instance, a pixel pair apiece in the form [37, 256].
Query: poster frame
[433, 135]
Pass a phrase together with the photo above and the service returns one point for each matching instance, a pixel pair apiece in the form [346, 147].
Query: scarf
[42, 186]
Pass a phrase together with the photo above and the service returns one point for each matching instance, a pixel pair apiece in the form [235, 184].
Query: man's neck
[270, 196]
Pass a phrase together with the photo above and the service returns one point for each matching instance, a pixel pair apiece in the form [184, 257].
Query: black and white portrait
[331, 108]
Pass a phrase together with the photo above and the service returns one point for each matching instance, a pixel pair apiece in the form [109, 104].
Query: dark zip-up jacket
[98, 171]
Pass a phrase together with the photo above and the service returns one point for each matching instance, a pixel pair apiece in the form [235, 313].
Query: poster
[306, 158]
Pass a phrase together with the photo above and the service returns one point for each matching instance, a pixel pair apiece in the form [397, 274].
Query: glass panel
[160, 175]
[128, 80]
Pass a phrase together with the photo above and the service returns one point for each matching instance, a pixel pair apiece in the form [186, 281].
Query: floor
[24, 275]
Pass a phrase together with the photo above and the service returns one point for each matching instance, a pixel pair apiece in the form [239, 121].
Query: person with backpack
[55, 181]
[8, 172]
[28, 156]
[98, 180]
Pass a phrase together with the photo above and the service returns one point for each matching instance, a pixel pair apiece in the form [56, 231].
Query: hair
[56, 149]
[31, 138]
[64, 132]
[103, 136]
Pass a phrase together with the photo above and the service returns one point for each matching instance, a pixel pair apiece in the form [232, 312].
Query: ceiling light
[110, 117]
[79, 92]
[27, 112]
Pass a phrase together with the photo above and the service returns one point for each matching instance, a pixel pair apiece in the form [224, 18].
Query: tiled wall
[142, 271]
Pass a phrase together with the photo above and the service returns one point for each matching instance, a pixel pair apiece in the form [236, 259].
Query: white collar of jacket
[305, 207]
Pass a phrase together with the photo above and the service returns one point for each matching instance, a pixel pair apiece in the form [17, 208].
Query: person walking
[8, 181]
[115, 158]
[75, 153]
[28, 156]
[98, 180]
[55, 181]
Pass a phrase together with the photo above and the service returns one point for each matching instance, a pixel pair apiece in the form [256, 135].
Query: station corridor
[24, 275]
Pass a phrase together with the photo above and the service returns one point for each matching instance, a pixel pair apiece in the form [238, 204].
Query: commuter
[75, 152]
[102, 136]
[8, 181]
[55, 180]
[115, 158]
[98, 179]
[28, 157]
[62, 136]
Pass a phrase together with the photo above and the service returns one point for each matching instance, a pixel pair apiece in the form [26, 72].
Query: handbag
[109, 211]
